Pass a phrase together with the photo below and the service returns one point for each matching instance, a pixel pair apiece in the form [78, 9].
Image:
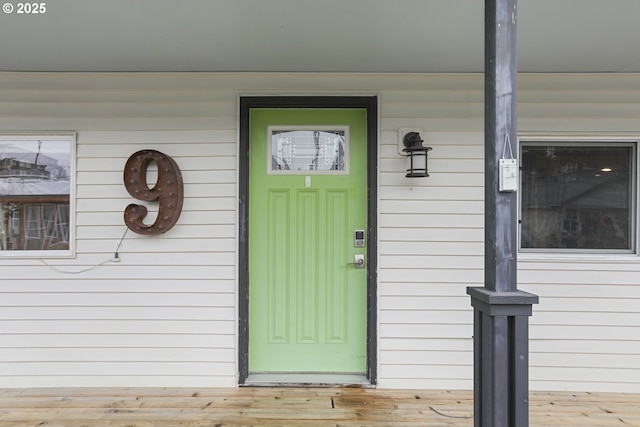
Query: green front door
[307, 189]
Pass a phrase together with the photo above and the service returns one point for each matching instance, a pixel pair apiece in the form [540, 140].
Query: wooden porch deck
[299, 407]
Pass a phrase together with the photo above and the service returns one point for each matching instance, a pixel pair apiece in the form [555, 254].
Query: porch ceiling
[313, 36]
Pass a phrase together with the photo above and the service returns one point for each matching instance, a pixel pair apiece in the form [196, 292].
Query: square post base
[501, 357]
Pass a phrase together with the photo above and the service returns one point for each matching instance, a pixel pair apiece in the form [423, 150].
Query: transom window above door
[305, 150]
[578, 196]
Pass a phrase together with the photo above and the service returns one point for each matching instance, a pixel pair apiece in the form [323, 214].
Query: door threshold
[306, 379]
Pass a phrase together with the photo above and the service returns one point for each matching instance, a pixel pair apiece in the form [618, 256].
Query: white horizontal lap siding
[585, 333]
[165, 314]
[430, 236]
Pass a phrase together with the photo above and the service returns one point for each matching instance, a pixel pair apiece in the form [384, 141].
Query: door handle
[358, 261]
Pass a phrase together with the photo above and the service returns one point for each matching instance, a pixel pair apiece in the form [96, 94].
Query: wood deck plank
[165, 402]
[299, 407]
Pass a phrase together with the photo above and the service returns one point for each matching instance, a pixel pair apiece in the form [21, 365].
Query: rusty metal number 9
[168, 191]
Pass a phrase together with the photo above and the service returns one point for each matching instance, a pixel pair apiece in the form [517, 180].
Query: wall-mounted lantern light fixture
[417, 154]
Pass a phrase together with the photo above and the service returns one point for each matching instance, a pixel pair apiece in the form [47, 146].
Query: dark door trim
[370, 104]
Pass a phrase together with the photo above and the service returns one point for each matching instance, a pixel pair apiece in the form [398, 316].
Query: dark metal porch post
[501, 312]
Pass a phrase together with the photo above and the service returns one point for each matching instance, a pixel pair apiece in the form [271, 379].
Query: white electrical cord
[116, 258]
[93, 267]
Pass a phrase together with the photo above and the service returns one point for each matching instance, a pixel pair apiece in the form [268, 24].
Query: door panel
[307, 306]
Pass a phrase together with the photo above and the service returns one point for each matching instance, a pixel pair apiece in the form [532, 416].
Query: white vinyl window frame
[587, 142]
[51, 219]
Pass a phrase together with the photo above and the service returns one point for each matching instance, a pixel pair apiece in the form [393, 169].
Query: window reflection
[35, 185]
[298, 150]
[577, 197]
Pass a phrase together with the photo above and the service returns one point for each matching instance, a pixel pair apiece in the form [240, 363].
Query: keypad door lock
[358, 238]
